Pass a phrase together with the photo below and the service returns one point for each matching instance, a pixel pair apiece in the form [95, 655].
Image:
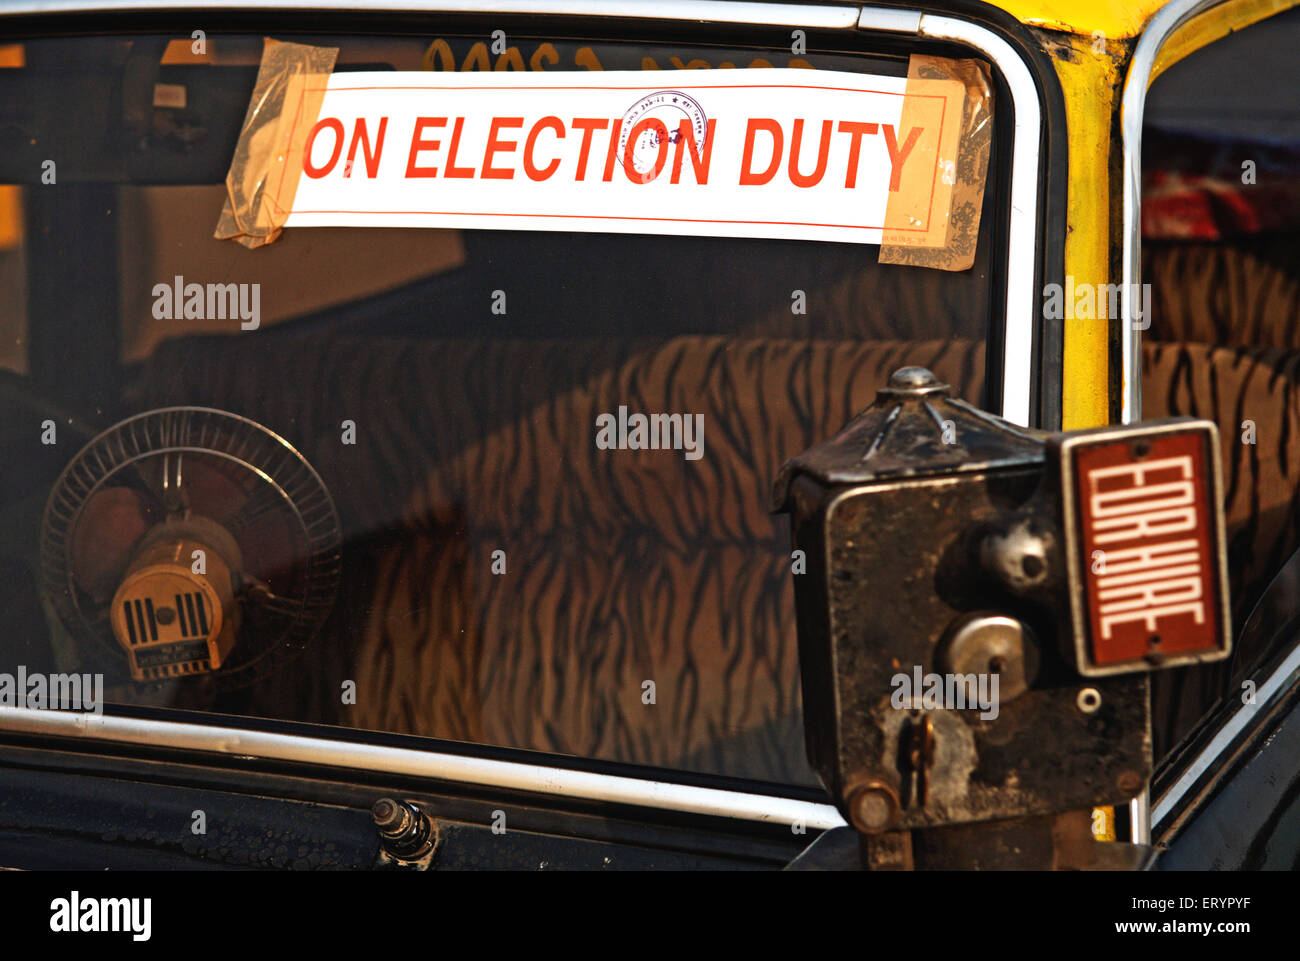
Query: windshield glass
[508, 487]
[1221, 268]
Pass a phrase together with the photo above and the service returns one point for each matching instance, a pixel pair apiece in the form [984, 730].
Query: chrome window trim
[1132, 109]
[1022, 235]
[1265, 696]
[1016, 394]
[822, 17]
[1132, 112]
[488, 772]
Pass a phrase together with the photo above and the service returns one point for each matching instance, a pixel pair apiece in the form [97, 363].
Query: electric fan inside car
[193, 541]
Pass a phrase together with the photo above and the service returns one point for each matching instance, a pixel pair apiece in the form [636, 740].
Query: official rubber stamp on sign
[658, 117]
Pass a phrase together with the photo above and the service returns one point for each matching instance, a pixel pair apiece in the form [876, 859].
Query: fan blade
[111, 524]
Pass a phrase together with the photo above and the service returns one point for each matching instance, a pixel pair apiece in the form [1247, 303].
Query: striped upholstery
[1243, 294]
[633, 566]
[1224, 343]
[1236, 387]
[621, 566]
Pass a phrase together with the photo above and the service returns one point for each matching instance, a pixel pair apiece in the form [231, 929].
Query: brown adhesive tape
[264, 172]
[932, 217]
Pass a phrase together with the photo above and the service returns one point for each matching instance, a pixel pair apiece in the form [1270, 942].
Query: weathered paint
[1091, 75]
[1115, 19]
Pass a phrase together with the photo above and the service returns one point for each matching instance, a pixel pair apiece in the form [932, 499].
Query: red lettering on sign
[546, 123]
[897, 156]
[454, 172]
[612, 154]
[661, 145]
[1147, 534]
[823, 151]
[419, 144]
[362, 137]
[588, 126]
[748, 178]
[496, 145]
[700, 164]
[856, 132]
[329, 123]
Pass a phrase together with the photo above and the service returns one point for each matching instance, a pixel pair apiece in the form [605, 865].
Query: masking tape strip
[264, 172]
[932, 217]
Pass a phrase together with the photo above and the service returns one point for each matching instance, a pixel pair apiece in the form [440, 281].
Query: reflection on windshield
[490, 486]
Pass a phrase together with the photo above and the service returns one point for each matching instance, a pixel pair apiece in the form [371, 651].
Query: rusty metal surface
[408, 837]
[889, 611]
[932, 535]
[903, 435]
[1059, 842]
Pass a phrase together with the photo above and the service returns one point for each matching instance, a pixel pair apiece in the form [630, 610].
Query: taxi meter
[981, 610]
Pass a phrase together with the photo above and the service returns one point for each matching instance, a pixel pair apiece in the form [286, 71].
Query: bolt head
[911, 377]
[873, 808]
[1130, 782]
[388, 815]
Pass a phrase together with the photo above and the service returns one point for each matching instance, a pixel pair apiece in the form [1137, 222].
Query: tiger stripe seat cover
[621, 567]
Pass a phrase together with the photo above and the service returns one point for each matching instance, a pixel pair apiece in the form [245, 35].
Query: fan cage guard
[201, 431]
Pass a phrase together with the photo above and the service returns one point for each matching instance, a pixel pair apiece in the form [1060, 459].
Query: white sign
[782, 153]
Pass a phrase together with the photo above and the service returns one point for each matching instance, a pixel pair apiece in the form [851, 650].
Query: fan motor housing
[197, 543]
[174, 613]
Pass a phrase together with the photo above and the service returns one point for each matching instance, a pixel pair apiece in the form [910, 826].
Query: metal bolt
[390, 817]
[407, 835]
[1130, 782]
[913, 382]
[873, 808]
[999, 645]
[1089, 700]
[1017, 556]
[906, 377]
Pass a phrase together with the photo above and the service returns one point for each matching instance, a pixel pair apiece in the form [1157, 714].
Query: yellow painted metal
[1090, 74]
[1125, 19]
[1114, 19]
[1214, 24]
[1090, 50]
[1103, 824]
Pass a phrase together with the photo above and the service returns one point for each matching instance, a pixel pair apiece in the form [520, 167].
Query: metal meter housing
[936, 547]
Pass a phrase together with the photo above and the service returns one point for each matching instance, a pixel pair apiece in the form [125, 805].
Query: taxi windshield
[477, 482]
